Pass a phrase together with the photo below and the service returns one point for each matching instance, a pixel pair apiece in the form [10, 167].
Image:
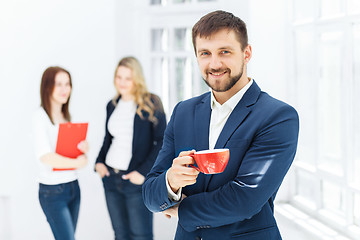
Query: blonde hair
[143, 98]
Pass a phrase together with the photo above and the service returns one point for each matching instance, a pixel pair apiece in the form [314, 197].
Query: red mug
[211, 161]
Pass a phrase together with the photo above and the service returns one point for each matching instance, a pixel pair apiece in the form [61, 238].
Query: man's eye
[225, 52]
[204, 53]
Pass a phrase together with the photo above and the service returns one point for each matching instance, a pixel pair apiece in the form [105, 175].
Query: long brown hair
[146, 101]
[46, 89]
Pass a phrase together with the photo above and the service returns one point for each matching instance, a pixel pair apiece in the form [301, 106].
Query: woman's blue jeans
[130, 218]
[61, 204]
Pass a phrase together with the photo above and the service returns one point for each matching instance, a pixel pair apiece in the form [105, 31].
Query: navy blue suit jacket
[262, 135]
[147, 138]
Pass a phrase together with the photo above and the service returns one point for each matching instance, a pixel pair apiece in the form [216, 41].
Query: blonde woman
[134, 129]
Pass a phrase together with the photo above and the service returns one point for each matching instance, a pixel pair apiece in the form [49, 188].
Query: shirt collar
[234, 100]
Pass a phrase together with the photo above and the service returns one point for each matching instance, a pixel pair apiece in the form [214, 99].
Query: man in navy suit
[261, 133]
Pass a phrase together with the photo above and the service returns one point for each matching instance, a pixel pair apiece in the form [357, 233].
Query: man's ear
[247, 54]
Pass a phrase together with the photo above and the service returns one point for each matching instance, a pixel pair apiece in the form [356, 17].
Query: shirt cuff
[173, 196]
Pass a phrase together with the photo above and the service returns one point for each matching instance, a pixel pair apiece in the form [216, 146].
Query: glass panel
[179, 78]
[158, 2]
[353, 6]
[160, 76]
[330, 7]
[357, 209]
[203, 87]
[159, 40]
[304, 9]
[333, 197]
[182, 39]
[356, 102]
[306, 188]
[329, 109]
[305, 77]
[181, 88]
[181, 1]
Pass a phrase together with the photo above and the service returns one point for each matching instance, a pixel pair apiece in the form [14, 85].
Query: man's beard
[232, 81]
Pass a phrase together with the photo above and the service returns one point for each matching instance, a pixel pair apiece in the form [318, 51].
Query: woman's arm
[57, 161]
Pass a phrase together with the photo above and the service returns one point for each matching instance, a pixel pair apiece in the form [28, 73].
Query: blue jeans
[61, 204]
[130, 218]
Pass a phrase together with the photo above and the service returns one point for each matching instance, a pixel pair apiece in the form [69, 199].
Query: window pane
[203, 87]
[304, 9]
[181, 1]
[356, 102]
[160, 74]
[306, 188]
[353, 6]
[159, 40]
[357, 209]
[181, 88]
[333, 197]
[305, 73]
[330, 8]
[330, 124]
[179, 81]
[182, 39]
[158, 2]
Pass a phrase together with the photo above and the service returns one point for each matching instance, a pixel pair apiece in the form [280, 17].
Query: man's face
[220, 59]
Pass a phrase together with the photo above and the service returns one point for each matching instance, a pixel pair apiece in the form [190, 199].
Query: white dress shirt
[219, 115]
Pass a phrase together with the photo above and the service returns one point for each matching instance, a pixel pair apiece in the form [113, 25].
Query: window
[356, 102]
[173, 62]
[166, 2]
[327, 81]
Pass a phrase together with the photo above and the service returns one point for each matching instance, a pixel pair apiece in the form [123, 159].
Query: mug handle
[191, 165]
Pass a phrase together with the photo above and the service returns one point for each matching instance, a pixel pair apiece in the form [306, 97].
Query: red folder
[69, 136]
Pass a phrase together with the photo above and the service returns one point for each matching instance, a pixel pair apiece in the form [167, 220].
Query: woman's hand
[83, 146]
[102, 170]
[134, 177]
[81, 161]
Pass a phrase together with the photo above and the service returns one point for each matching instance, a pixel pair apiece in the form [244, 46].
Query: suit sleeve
[261, 172]
[155, 193]
[107, 139]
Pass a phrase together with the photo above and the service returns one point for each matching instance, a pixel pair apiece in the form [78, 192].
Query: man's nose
[215, 62]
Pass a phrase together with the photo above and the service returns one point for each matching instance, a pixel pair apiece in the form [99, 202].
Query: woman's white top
[45, 138]
[121, 127]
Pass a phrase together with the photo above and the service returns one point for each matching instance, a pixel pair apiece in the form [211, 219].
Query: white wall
[79, 36]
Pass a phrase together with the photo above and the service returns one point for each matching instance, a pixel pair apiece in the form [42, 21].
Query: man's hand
[179, 174]
[173, 211]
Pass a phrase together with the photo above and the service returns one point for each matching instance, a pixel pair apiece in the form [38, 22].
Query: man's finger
[186, 153]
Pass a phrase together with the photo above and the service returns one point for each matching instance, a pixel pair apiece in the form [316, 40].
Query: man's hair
[218, 20]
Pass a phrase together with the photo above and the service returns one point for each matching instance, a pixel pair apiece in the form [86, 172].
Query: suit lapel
[238, 115]
[201, 128]
[202, 123]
